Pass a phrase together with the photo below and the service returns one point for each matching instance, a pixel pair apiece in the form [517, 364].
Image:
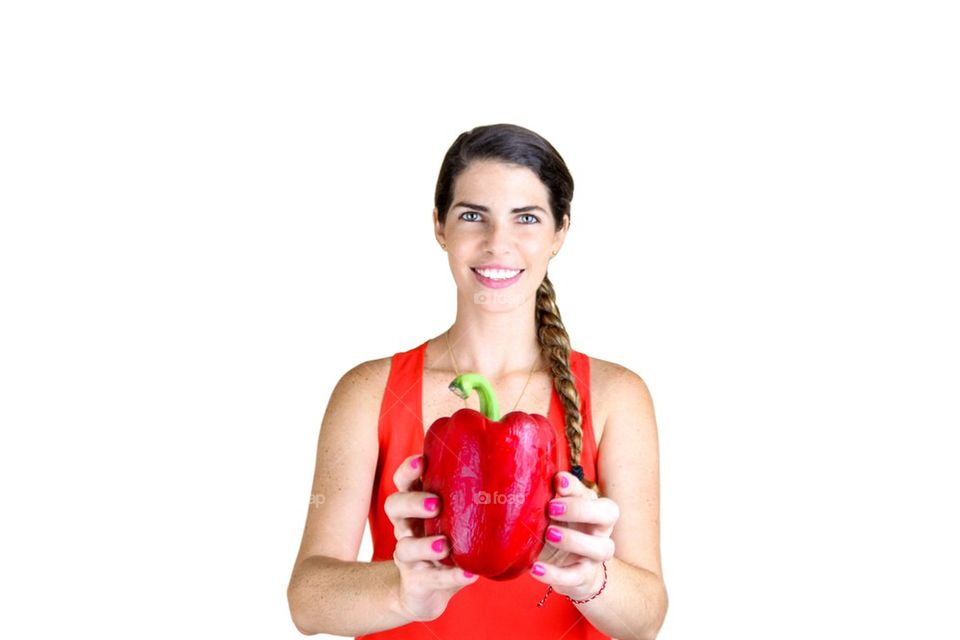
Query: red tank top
[487, 608]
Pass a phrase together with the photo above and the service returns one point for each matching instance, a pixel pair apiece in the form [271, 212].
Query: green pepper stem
[463, 384]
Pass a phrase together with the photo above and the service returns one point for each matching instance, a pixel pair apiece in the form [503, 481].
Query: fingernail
[538, 569]
[553, 535]
[564, 481]
[432, 503]
[437, 545]
[415, 463]
[467, 574]
[557, 508]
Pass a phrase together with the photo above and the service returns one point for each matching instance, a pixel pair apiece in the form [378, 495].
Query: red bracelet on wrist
[550, 590]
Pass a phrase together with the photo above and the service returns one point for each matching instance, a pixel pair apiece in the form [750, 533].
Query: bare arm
[634, 603]
[345, 598]
[329, 590]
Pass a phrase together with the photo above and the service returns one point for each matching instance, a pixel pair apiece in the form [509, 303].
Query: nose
[497, 239]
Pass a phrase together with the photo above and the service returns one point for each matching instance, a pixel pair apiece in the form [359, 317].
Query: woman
[502, 213]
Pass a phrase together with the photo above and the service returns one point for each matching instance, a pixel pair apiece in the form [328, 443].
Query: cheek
[536, 252]
[537, 241]
[459, 267]
[535, 277]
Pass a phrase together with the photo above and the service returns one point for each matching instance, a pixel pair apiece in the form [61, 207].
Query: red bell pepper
[494, 477]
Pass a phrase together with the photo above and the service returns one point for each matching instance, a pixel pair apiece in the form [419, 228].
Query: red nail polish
[553, 534]
[564, 481]
[467, 574]
[538, 569]
[437, 545]
[431, 504]
[415, 463]
[557, 508]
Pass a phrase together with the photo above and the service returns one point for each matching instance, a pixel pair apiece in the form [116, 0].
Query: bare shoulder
[365, 378]
[358, 393]
[615, 390]
[607, 371]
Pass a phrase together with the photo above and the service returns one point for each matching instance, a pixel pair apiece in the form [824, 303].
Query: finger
[451, 578]
[402, 507]
[582, 574]
[408, 472]
[434, 576]
[602, 512]
[557, 557]
[595, 547]
[412, 549]
[568, 484]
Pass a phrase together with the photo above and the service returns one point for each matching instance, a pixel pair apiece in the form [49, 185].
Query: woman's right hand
[426, 586]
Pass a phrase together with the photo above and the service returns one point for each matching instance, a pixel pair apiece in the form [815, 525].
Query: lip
[495, 284]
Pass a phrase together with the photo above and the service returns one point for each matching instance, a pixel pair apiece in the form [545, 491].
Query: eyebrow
[480, 207]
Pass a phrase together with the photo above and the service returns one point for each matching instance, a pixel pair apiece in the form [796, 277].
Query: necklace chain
[457, 369]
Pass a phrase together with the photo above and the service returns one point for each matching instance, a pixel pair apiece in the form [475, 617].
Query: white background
[210, 211]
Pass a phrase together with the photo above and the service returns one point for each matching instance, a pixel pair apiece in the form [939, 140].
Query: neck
[494, 344]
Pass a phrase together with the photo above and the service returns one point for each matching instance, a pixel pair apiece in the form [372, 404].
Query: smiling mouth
[498, 274]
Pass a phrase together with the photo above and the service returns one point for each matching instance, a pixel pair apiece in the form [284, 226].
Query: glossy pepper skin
[494, 477]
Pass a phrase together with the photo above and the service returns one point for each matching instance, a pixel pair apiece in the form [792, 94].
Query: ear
[561, 233]
[437, 227]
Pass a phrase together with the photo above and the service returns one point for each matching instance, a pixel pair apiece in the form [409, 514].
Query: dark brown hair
[517, 145]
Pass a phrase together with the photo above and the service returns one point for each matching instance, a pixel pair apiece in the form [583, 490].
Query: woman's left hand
[573, 564]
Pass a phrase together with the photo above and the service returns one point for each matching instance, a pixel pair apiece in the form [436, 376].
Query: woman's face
[499, 223]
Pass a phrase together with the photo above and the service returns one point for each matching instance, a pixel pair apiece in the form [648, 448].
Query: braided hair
[555, 344]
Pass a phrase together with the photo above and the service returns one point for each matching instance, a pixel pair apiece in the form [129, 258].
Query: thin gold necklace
[457, 369]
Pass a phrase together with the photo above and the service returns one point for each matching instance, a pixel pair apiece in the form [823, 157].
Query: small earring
[443, 246]
[554, 253]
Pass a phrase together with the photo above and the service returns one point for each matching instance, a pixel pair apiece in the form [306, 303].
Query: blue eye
[533, 219]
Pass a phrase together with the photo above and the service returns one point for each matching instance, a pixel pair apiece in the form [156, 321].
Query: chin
[500, 300]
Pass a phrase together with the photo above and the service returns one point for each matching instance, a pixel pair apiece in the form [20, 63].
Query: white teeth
[497, 274]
